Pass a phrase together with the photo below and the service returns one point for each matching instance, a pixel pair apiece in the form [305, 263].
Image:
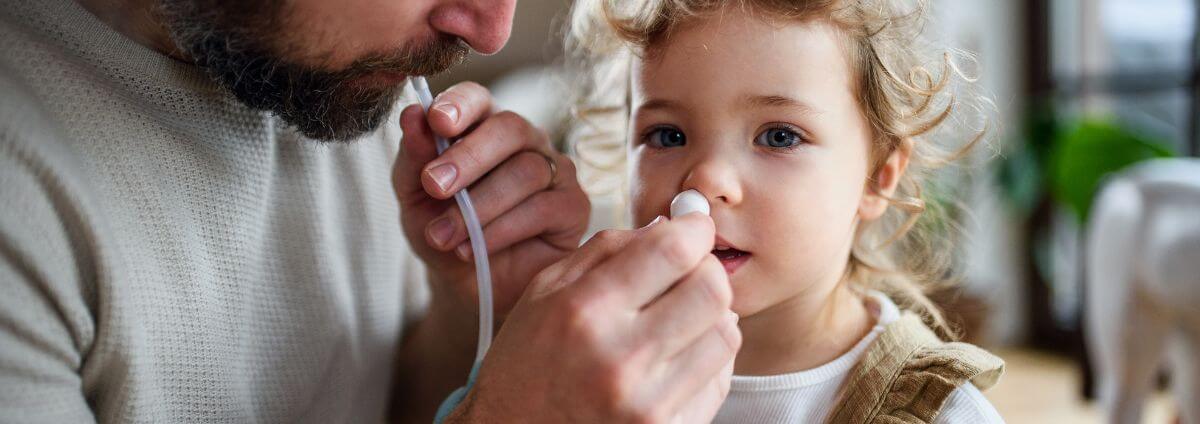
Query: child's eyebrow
[657, 104]
[757, 101]
[775, 100]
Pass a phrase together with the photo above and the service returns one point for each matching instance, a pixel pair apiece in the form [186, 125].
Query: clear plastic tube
[483, 271]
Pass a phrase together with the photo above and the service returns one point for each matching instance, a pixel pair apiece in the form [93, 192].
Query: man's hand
[533, 213]
[633, 327]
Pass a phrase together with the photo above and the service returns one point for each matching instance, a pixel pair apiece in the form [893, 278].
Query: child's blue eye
[779, 138]
[666, 137]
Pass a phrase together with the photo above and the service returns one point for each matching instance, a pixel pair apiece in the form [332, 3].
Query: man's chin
[380, 80]
[346, 115]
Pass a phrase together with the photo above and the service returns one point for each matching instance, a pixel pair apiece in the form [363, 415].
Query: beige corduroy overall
[907, 374]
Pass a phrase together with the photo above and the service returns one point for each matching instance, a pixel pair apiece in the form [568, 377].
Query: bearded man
[209, 215]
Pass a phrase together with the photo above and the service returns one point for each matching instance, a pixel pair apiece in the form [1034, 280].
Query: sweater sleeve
[967, 404]
[45, 323]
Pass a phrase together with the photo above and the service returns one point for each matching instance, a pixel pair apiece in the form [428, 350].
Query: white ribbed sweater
[809, 396]
[168, 255]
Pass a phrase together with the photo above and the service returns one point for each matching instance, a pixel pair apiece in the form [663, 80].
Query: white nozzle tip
[688, 202]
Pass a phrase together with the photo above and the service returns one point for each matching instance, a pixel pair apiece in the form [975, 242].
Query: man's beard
[232, 41]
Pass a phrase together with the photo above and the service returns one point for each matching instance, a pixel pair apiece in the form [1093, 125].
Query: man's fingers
[694, 369]
[458, 107]
[687, 310]
[416, 149]
[654, 260]
[537, 216]
[703, 407]
[510, 291]
[595, 250]
[518, 178]
[479, 152]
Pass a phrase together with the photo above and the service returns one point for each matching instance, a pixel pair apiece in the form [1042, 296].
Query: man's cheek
[317, 38]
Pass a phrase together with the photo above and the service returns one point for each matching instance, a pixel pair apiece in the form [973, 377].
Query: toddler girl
[810, 127]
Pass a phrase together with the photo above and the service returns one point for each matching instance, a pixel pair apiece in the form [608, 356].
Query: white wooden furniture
[1143, 301]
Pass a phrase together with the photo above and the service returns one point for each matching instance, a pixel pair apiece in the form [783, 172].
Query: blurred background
[1085, 89]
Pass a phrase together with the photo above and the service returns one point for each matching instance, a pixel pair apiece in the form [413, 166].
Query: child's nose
[717, 179]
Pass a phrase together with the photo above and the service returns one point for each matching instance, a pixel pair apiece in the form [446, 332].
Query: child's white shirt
[809, 396]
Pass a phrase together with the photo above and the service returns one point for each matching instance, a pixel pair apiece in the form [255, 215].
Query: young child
[810, 127]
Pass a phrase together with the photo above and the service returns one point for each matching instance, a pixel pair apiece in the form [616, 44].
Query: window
[1133, 60]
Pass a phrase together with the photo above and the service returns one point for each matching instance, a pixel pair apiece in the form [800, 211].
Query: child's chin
[744, 302]
[752, 293]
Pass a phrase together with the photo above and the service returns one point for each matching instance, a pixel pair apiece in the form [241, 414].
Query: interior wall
[994, 260]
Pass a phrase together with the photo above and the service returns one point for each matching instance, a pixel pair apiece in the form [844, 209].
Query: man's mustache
[431, 58]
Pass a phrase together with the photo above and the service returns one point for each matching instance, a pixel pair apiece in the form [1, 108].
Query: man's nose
[484, 24]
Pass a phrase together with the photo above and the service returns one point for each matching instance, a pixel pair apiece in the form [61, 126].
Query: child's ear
[883, 184]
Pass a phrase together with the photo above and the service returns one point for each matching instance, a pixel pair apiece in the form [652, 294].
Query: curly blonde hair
[908, 89]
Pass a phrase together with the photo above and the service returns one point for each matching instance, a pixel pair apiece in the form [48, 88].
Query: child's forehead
[741, 25]
[728, 54]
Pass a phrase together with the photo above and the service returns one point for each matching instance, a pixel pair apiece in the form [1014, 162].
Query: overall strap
[907, 374]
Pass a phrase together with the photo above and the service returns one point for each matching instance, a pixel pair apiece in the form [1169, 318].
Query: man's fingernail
[731, 317]
[441, 230]
[443, 175]
[463, 251]
[450, 110]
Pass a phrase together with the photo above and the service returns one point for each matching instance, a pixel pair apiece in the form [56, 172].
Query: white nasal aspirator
[687, 202]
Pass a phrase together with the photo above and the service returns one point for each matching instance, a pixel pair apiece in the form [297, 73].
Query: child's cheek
[650, 190]
[794, 226]
[788, 194]
[804, 219]
[641, 202]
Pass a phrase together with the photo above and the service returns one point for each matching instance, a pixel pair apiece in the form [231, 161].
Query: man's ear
[882, 185]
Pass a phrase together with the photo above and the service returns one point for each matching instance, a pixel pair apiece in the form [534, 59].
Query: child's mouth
[730, 257]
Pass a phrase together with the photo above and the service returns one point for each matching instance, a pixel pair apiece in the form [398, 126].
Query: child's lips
[731, 258]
